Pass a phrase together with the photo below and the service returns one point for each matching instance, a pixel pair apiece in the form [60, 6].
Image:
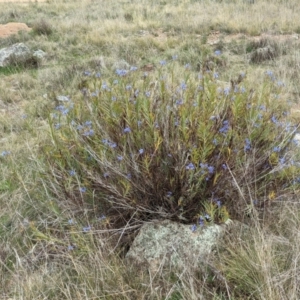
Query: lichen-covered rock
[39, 54]
[17, 53]
[171, 243]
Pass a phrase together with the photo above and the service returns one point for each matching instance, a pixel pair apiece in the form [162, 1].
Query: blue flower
[82, 189]
[121, 72]
[86, 229]
[224, 166]
[119, 157]
[141, 151]
[128, 87]
[203, 166]
[187, 66]
[88, 133]
[190, 166]
[218, 52]
[102, 218]
[276, 149]
[169, 194]
[72, 172]
[179, 102]
[147, 94]
[183, 86]
[194, 227]
[127, 130]
[98, 75]
[4, 153]
[280, 84]
[174, 57]
[136, 93]
[70, 248]
[226, 91]
[88, 123]
[270, 73]
[57, 126]
[211, 169]
[225, 127]
[207, 217]
[71, 222]
[247, 145]
[133, 68]
[201, 221]
[163, 62]
[216, 75]
[87, 73]
[282, 160]
[104, 86]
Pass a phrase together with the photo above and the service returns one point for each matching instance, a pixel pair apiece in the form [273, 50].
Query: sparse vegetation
[150, 110]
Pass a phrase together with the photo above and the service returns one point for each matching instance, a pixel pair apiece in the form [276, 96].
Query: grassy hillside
[214, 85]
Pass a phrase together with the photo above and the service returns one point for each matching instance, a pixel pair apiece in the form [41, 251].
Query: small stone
[62, 98]
[39, 54]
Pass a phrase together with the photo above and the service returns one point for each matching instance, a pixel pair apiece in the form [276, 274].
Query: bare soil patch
[12, 28]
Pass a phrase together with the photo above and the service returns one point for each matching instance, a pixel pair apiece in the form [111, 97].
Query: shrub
[169, 145]
[42, 27]
[264, 49]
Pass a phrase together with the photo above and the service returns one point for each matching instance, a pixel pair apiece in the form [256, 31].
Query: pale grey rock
[173, 244]
[62, 98]
[39, 54]
[16, 53]
[296, 139]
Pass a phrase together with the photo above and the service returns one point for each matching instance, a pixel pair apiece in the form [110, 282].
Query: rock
[296, 139]
[173, 244]
[62, 98]
[17, 53]
[39, 54]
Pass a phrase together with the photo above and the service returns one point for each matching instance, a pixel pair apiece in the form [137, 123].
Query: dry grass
[34, 260]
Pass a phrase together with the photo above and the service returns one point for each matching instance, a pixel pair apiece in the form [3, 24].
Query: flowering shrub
[172, 144]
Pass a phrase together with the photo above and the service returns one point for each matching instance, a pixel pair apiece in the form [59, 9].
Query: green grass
[54, 242]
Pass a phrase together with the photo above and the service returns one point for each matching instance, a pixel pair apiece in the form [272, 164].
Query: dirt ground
[12, 28]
